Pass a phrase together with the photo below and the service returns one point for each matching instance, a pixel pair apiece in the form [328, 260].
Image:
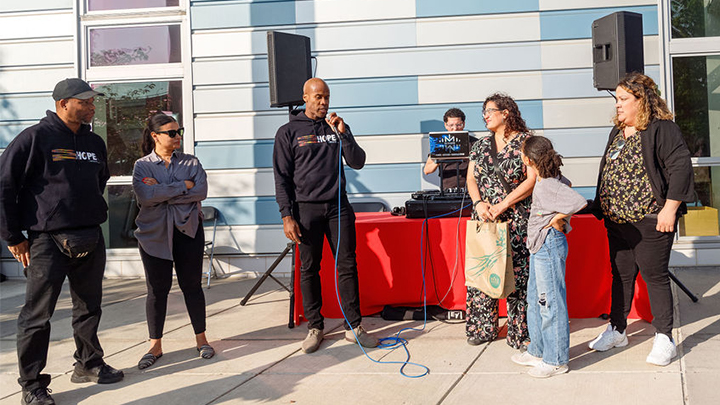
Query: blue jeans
[547, 302]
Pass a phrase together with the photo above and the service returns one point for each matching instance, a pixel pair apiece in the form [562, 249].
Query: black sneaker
[39, 396]
[102, 374]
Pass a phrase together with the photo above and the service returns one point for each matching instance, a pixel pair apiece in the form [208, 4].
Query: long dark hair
[652, 106]
[153, 125]
[541, 153]
[514, 121]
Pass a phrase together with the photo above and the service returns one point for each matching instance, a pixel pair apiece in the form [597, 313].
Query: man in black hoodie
[52, 179]
[308, 178]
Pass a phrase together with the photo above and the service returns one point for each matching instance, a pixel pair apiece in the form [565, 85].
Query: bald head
[316, 95]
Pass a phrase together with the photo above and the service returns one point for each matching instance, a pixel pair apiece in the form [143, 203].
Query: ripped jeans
[548, 322]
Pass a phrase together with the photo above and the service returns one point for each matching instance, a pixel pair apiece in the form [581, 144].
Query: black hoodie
[52, 179]
[305, 161]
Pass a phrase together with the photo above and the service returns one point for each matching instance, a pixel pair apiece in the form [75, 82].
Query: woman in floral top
[645, 175]
[491, 202]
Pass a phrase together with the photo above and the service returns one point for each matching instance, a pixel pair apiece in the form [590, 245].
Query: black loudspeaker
[617, 41]
[289, 66]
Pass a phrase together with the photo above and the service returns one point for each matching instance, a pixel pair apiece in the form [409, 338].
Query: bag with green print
[488, 259]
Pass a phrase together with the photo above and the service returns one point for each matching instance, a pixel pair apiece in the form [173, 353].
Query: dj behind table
[446, 148]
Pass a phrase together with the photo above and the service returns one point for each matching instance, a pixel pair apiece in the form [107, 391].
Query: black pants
[633, 247]
[45, 277]
[188, 259]
[318, 220]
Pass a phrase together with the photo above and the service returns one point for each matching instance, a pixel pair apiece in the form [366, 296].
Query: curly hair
[514, 121]
[541, 153]
[454, 113]
[650, 105]
[153, 125]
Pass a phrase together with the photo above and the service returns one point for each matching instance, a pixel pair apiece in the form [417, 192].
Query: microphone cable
[388, 343]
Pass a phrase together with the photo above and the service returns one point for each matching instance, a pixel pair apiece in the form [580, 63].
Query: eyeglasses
[488, 111]
[172, 132]
[615, 151]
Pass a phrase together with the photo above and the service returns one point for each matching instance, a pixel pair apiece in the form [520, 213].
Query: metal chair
[210, 215]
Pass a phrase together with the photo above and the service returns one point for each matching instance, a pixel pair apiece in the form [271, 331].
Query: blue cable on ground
[392, 342]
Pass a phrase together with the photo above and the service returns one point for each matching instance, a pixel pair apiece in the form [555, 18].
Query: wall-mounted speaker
[617, 41]
[289, 67]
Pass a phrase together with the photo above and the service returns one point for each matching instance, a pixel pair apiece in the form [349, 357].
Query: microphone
[333, 127]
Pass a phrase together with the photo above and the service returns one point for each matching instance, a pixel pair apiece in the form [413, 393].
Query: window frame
[677, 48]
[181, 71]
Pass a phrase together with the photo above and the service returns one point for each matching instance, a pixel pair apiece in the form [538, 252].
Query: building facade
[393, 68]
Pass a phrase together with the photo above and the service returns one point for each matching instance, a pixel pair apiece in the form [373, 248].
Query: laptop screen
[449, 145]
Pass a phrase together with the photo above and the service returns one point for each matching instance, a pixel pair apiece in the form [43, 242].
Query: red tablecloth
[389, 267]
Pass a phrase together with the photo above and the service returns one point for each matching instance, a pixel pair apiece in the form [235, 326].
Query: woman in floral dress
[491, 202]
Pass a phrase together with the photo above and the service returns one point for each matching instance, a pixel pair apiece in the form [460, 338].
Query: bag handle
[493, 154]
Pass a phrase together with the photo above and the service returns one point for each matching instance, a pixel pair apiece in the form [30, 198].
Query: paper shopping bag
[488, 259]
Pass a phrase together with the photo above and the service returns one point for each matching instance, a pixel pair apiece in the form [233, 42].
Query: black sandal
[206, 351]
[147, 360]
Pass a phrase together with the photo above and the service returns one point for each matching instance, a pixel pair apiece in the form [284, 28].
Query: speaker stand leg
[267, 274]
[682, 287]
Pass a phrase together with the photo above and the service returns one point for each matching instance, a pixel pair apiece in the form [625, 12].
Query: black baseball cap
[74, 88]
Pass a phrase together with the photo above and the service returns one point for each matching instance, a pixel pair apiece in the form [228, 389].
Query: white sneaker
[608, 339]
[544, 370]
[525, 359]
[663, 350]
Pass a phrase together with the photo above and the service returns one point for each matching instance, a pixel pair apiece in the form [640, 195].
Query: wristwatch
[476, 203]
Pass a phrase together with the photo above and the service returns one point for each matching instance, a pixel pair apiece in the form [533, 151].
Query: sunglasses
[172, 132]
[616, 149]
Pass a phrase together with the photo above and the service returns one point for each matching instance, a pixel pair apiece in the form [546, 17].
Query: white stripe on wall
[49, 51]
[37, 25]
[33, 79]
[475, 87]
[546, 5]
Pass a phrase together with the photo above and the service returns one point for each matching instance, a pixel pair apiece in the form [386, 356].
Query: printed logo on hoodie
[308, 139]
[69, 154]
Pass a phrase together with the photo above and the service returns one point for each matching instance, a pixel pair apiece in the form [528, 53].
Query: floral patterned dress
[482, 311]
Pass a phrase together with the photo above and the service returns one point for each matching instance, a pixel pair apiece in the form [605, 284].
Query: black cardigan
[667, 162]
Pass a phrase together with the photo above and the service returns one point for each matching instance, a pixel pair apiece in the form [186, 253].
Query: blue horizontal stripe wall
[397, 178]
[9, 132]
[576, 24]
[577, 83]
[24, 108]
[235, 14]
[436, 8]
[422, 118]
[235, 154]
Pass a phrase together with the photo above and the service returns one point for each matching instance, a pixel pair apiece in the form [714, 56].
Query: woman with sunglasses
[500, 189]
[645, 175]
[169, 186]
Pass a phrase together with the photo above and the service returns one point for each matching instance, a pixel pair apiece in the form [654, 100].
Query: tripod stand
[682, 287]
[290, 246]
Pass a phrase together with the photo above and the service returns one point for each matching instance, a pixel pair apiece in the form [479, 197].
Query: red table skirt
[390, 268]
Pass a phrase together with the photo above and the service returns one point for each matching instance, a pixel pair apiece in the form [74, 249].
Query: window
[120, 117]
[136, 52]
[695, 18]
[104, 5]
[694, 57]
[697, 107]
[134, 45]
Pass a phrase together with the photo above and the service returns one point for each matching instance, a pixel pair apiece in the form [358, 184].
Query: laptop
[449, 145]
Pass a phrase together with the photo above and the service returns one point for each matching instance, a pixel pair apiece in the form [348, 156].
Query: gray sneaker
[312, 341]
[365, 339]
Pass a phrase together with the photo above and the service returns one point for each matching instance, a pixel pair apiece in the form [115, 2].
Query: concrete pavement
[259, 359]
